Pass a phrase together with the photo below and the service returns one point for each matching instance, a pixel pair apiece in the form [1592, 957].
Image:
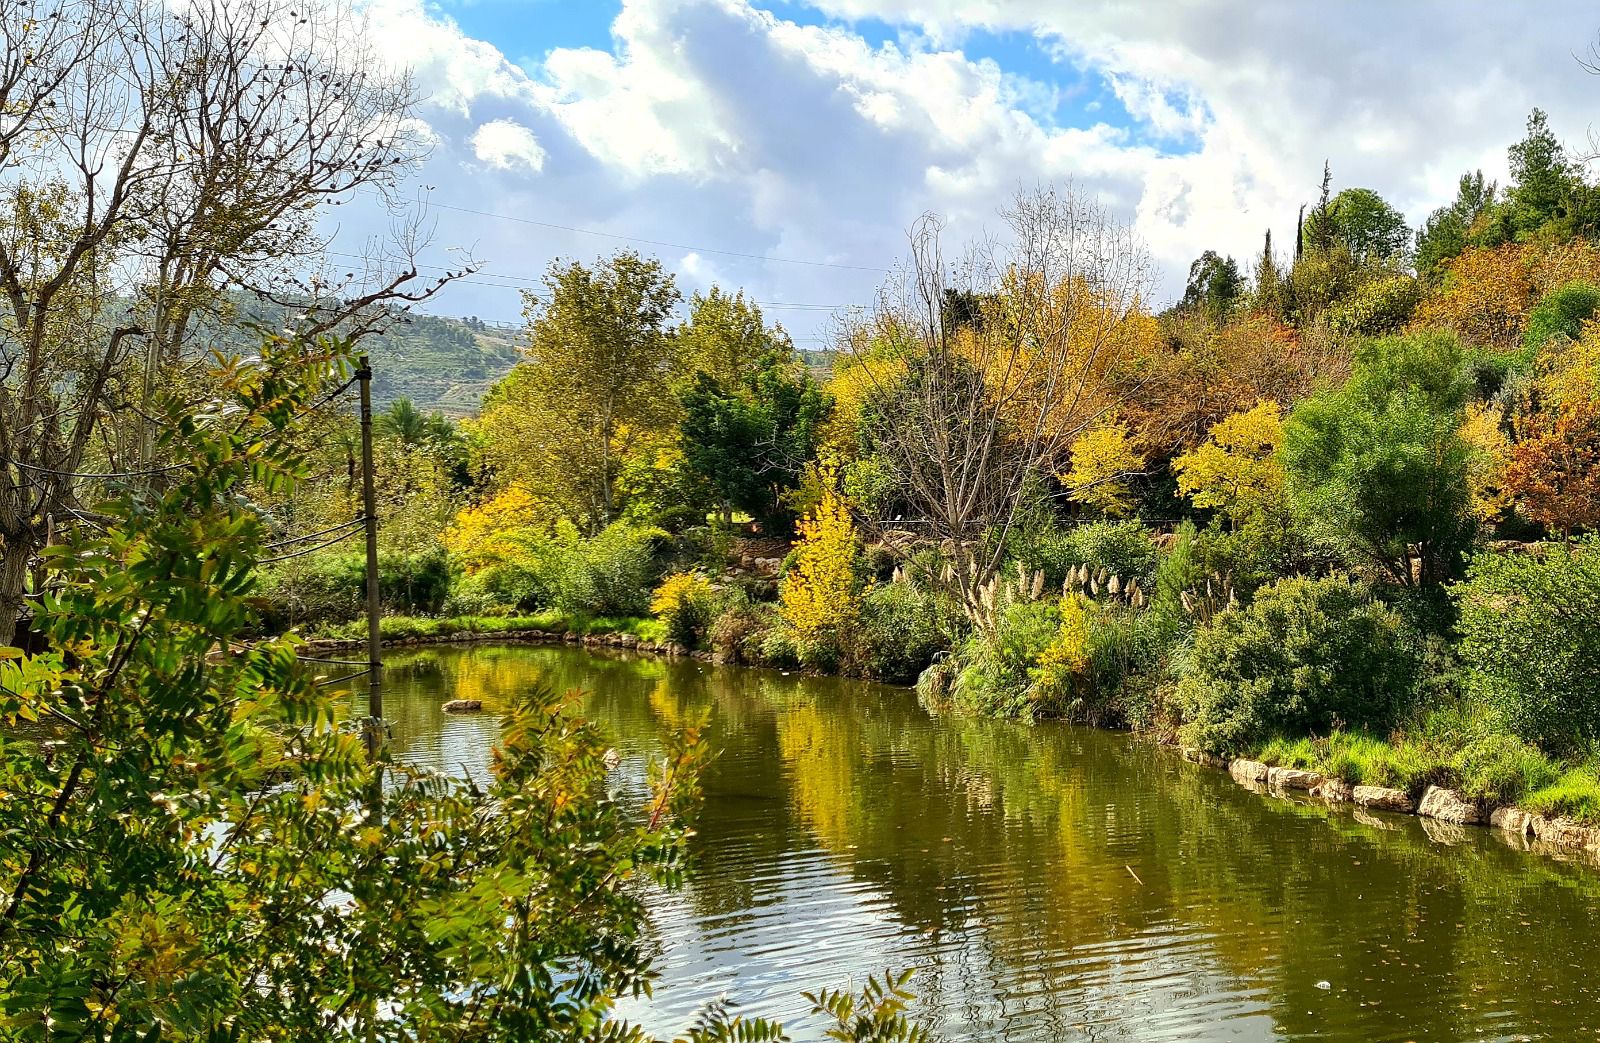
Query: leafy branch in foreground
[189, 851]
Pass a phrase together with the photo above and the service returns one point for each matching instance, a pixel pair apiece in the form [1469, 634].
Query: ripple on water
[1046, 883]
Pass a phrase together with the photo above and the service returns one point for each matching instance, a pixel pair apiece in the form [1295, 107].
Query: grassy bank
[401, 628]
[1491, 769]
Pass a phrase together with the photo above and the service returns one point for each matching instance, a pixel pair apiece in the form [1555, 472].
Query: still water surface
[1048, 882]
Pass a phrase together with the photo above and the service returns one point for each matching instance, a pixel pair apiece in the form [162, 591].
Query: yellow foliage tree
[494, 531]
[820, 594]
[1237, 471]
[1486, 475]
[1103, 458]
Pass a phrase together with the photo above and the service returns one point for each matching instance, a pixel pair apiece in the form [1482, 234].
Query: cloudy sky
[784, 146]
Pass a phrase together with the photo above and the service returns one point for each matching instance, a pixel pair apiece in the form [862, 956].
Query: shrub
[1530, 640]
[1305, 657]
[1561, 313]
[740, 631]
[900, 632]
[684, 602]
[1123, 548]
[996, 665]
[609, 575]
[1381, 306]
[820, 595]
[413, 584]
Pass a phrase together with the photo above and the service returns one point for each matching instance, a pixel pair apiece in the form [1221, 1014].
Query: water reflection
[1048, 883]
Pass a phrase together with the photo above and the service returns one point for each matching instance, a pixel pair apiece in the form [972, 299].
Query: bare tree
[985, 371]
[157, 160]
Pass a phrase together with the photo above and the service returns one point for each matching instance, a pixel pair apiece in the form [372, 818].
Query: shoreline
[1556, 837]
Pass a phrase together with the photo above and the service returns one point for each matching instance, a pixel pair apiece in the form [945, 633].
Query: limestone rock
[1292, 778]
[1248, 771]
[1512, 820]
[1333, 789]
[1563, 831]
[1382, 798]
[1447, 806]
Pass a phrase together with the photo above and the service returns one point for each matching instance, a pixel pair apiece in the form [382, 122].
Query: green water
[1047, 883]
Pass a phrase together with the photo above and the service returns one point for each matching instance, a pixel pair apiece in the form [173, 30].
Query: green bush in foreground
[200, 853]
[1305, 657]
[1530, 639]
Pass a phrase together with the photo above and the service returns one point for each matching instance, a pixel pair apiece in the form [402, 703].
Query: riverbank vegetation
[1333, 507]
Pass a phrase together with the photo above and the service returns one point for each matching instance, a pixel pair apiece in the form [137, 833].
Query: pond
[1046, 882]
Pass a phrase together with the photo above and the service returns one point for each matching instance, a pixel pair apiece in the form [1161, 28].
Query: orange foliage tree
[1205, 373]
[1554, 467]
[1484, 298]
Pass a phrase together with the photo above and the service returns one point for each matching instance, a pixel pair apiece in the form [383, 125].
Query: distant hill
[440, 363]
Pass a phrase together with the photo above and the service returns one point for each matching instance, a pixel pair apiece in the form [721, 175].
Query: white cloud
[507, 145]
[718, 124]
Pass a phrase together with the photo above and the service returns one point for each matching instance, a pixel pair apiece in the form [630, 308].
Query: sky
[786, 146]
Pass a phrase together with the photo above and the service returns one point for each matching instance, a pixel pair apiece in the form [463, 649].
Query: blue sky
[783, 131]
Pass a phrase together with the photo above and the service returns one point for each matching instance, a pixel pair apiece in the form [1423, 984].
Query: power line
[513, 282]
[655, 242]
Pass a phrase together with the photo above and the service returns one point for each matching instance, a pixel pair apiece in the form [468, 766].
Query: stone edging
[601, 640]
[1557, 836]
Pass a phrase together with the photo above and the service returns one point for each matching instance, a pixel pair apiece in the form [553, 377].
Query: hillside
[440, 363]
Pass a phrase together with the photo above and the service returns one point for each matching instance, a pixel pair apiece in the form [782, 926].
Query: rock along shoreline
[1446, 809]
[1441, 810]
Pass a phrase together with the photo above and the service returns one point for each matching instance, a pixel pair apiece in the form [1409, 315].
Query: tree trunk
[14, 558]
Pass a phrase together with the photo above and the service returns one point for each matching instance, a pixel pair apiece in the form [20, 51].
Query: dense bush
[1530, 629]
[1561, 313]
[741, 628]
[996, 663]
[609, 575]
[1305, 657]
[899, 633]
[686, 603]
[332, 588]
[1123, 548]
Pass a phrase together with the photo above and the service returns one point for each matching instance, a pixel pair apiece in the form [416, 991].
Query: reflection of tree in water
[1001, 860]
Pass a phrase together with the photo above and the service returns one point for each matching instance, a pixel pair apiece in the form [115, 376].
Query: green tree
[1379, 467]
[1363, 222]
[596, 385]
[1543, 180]
[726, 338]
[1214, 286]
[1447, 231]
[751, 441]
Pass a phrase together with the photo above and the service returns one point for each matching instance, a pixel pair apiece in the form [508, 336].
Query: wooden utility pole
[369, 511]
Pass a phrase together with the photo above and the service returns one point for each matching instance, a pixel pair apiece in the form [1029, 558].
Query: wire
[513, 282]
[312, 535]
[309, 550]
[104, 477]
[342, 678]
[334, 662]
[653, 242]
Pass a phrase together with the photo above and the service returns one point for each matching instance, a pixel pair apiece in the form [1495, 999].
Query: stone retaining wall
[608, 640]
[1557, 836]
